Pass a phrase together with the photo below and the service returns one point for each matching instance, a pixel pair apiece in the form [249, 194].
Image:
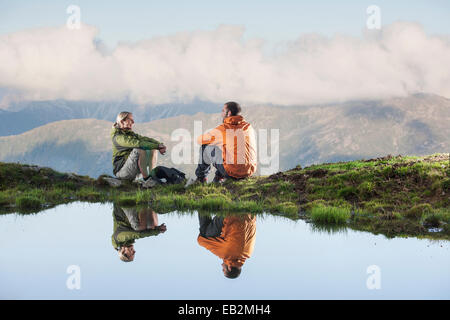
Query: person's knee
[204, 158]
[142, 153]
[153, 158]
[203, 150]
[211, 154]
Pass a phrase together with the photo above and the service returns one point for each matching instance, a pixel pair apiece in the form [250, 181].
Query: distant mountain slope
[28, 115]
[416, 125]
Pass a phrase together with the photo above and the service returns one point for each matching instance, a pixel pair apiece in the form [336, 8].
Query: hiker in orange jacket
[230, 147]
[232, 239]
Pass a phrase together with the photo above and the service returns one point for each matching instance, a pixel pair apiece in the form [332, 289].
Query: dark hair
[233, 273]
[233, 107]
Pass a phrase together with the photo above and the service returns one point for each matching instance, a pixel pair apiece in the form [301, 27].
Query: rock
[33, 168]
[113, 182]
[72, 176]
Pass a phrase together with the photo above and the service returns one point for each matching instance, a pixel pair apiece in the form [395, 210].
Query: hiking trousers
[210, 155]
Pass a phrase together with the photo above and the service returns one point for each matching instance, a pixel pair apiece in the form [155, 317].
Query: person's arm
[148, 139]
[153, 231]
[214, 137]
[216, 245]
[161, 228]
[134, 141]
[161, 147]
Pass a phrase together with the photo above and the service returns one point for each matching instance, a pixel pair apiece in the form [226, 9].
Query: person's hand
[162, 227]
[162, 148]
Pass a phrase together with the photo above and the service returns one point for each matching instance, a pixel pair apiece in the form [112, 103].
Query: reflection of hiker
[129, 225]
[230, 147]
[232, 239]
[132, 153]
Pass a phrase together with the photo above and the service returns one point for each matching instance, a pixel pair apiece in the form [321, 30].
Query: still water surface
[288, 260]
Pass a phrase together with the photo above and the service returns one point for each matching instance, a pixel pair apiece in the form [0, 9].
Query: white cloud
[219, 65]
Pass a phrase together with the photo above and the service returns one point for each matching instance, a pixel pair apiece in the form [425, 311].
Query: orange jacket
[237, 140]
[236, 242]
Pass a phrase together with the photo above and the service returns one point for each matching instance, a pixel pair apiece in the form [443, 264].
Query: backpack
[171, 175]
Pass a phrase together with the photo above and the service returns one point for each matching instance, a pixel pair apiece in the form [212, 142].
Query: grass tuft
[418, 211]
[331, 215]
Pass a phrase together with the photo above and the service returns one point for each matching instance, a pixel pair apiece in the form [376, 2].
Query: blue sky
[274, 21]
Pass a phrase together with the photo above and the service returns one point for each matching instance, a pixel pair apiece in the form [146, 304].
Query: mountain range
[27, 115]
[413, 125]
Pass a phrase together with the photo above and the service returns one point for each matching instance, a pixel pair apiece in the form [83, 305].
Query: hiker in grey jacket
[132, 153]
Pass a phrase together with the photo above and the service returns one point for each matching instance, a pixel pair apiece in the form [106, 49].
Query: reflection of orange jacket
[236, 242]
[237, 140]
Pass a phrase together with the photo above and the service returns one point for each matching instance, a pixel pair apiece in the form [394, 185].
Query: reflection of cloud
[52, 63]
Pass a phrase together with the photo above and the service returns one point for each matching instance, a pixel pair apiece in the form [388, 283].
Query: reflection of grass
[329, 228]
[330, 215]
[126, 201]
[211, 202]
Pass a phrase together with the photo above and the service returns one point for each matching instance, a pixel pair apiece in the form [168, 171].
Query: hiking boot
[147, 183]
[219, 179]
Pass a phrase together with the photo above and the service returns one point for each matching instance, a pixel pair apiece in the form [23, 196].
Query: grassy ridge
[390, 195]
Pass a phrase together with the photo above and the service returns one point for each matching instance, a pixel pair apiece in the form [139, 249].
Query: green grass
[28, 203]
[418, 211]
[330, 215]
[443, 215]
[390, 195]
[287, 208]
[248, 206]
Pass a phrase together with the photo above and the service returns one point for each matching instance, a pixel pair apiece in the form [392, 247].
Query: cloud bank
[219, 65]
